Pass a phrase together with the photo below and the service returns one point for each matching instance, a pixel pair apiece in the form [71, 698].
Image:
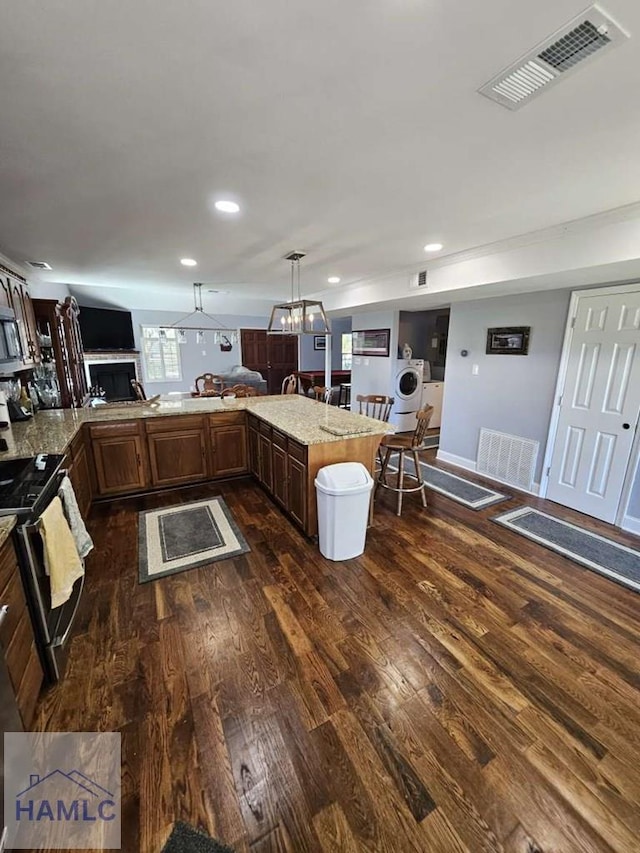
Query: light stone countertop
[51, 431]
[7, 523]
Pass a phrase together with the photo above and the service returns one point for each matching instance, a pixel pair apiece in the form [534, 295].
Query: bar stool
[345, 388]
[376, 406]
[405, 444]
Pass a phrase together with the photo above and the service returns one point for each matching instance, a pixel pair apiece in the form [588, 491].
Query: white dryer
[407, 393]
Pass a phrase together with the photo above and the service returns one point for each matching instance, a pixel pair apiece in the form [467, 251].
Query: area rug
[187, 839]
[432, 441]
[177, 538]
[596, 552]
[455, 487]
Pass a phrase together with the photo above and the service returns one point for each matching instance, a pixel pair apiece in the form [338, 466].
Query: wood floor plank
[455, 689]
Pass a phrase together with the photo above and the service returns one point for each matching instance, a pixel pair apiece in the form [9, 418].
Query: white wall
[513, 394]
[373, 374]
[196, 358]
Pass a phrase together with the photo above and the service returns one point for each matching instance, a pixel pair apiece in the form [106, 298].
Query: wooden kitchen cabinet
[280, 475]
[254, 445]
[177, 450]
[228, 444]
[265, 467]
[17, 642]
[297, 478]
[119, 455]
[60, 321]
[80, 473]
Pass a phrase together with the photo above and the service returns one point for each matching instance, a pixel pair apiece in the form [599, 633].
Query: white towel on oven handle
[84, 542]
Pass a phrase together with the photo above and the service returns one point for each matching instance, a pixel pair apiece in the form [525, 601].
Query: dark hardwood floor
[456, 688]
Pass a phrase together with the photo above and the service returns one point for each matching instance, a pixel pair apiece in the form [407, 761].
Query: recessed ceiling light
[188, 262]
[433, 247]
[334, 279]
[39, 265]
[227, 206]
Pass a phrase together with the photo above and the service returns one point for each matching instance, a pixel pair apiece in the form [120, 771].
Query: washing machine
[407, 393]
[432, 394]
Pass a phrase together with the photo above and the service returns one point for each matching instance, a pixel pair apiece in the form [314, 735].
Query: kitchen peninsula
[282, 440]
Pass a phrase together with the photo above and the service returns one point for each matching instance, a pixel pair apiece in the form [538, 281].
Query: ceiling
[350, 130]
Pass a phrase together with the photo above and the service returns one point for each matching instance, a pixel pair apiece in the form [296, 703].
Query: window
[346, 351]
[161, 354]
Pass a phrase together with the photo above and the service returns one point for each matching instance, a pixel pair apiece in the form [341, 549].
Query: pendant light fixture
[222, 335]
[298, 316]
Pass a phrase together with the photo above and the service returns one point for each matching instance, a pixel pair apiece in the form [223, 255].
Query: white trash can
[343, 491]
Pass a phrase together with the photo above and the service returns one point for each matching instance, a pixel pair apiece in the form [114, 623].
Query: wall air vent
[545, 65]
[39, 265]
[421, 279]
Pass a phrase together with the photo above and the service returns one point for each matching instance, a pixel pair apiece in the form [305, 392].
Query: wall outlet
[475, 370]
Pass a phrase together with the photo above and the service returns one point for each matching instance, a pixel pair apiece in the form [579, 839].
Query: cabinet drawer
[224, 418]
[113, 430]
[279, 438]
[13, 597]
[183, 423]
[265, 429]
[298, 451]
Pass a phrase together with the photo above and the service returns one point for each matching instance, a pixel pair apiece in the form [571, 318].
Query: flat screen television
[106, 329]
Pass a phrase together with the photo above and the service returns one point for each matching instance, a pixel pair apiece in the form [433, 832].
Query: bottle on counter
[25, 401]
[33, 396]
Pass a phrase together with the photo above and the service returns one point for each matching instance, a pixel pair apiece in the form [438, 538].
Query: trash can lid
[343, 477]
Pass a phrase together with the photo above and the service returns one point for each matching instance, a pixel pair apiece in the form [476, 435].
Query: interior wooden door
[600, 405]
[274, 356]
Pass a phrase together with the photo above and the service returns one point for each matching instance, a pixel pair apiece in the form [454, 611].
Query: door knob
[626, 426]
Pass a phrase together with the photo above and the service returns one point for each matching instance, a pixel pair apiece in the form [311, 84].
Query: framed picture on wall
[508, 340]
[371, 342]
[319, 342]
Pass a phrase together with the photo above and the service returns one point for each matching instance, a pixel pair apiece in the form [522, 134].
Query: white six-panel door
[600, 405]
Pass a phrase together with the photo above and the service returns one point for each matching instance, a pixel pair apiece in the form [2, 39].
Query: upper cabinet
[59, 321]
[14, 293]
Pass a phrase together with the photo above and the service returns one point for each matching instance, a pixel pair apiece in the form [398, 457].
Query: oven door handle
[60, 641]
[60, 475]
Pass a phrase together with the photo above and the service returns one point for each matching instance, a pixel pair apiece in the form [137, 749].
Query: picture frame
[508, 340]
[371, 342]
[319, 342]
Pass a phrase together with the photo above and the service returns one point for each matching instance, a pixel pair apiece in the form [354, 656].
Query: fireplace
[114, 377]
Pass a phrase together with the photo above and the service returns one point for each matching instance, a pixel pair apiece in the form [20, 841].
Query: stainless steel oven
[27, 486]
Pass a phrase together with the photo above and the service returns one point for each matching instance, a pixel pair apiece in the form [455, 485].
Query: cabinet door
[228, 450]
[81, 480]
[31, 330]
[279, 460]
[254, 452]
[297, 490]
[18, 306]
[178, 456]
[5, 292]
[265, 472]
[118, 463]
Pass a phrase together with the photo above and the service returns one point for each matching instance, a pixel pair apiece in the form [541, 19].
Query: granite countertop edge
[52, 431]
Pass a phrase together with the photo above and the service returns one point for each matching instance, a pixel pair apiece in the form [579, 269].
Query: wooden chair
[240, 391]
[401, 445]
[376, 406]
[290, 384]
[138, 390]
[323, 394]
[212, 385]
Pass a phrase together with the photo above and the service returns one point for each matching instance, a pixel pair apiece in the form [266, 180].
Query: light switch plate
[475, 370]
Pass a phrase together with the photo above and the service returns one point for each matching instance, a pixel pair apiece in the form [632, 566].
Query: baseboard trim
[470, 465]
[631, 525]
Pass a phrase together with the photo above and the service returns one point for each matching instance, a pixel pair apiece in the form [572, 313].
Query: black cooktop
[23, 481]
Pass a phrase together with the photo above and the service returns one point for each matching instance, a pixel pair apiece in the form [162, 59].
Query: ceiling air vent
[39, 265]
[582, 38]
